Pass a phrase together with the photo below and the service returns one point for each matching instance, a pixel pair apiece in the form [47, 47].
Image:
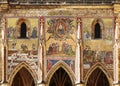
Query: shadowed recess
[60, 78]
[23, 78]
[97, 78]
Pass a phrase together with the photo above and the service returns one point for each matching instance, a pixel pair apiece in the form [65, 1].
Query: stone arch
[18, 26]
[18, 68]
[103, 69]
[101, 23]
[58, 65]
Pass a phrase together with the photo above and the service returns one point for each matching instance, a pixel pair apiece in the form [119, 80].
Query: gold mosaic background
[12, 22]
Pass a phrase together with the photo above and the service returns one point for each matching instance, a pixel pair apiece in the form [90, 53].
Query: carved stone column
[79, 60]
[115, 55]
[41, 52]
[3, 51]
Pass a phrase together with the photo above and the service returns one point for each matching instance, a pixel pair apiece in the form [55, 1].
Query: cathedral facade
[59, 43]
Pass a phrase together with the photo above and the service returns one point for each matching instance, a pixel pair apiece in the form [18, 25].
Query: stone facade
[41, 45]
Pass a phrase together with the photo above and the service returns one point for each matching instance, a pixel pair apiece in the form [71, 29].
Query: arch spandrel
[18, 68]
[60, 64]
[102, 68]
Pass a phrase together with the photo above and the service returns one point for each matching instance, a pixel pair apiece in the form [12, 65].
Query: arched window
[97, 31]
[23, 30]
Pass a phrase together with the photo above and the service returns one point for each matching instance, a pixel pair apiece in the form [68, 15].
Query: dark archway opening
[97, 31]
[60, 78]
[23, 31]
[23, 78]
[97, 78]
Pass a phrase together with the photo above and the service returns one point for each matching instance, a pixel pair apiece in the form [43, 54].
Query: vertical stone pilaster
[116, 81]
[3, 52]
[78, 60]
[41, 52]
[1, 47]
[115, 53]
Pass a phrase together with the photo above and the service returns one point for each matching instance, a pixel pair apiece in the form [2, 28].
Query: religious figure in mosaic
[34, 32]
[13, 45]
[11, 32]
[53, 48]
[33, 46]
[93, 56]
[24, 47]
[60, 36]
[60, 29]
[66, 49]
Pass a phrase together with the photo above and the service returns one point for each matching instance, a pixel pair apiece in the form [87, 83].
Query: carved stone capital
[4, 83]
[116, 84]
[42, 83]
[80, 84]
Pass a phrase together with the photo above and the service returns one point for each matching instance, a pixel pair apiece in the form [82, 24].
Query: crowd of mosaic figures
[91, 56]
[54, 48]
[12, 33]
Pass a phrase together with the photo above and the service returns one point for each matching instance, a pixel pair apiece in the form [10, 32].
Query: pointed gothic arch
[21, 70]
[97, 28]
[60, 65]
[97, 72]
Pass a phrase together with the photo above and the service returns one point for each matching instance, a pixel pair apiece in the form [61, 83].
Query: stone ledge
[116, 8]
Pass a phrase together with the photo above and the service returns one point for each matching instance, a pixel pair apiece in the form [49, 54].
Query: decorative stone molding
[89, 12]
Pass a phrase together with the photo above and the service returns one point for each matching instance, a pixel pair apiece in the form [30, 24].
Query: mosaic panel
[13, 32]
[60, 37]
[98, 50]
[22, 49]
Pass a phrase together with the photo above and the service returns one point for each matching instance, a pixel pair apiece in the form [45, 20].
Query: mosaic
[60, 37]
[14, 29]
[93, 51]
